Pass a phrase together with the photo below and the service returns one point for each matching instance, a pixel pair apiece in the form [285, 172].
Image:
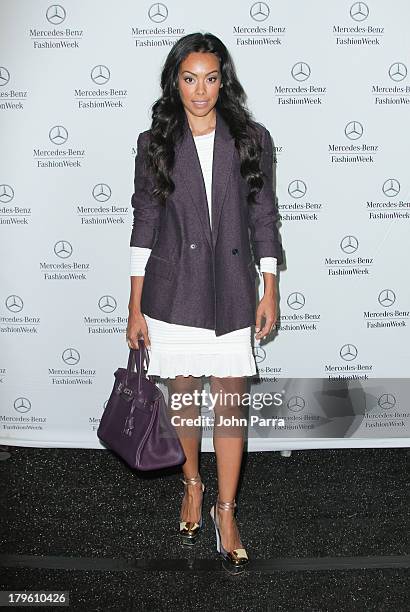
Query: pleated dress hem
[181, 364]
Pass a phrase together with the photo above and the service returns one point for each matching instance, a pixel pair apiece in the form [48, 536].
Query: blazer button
[235, 251]
[193, 245]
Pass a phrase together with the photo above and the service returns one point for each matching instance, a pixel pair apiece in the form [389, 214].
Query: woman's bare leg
[189, 436]
[228, 444]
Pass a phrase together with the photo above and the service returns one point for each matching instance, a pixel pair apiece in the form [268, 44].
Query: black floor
[325, 529]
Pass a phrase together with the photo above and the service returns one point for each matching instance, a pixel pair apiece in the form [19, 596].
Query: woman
[203, 178]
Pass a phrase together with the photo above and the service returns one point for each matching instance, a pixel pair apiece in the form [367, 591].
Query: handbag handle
[139, 363]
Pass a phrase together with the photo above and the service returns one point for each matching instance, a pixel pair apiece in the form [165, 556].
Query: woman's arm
[263, 214]
[266, 246]
[146, 220]
[138, 258]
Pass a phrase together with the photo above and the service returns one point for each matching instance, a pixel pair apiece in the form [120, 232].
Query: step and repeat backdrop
[330, 80]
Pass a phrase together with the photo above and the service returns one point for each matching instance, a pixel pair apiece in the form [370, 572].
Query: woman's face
[199, 80]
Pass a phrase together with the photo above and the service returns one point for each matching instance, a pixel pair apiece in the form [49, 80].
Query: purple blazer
[195, 276]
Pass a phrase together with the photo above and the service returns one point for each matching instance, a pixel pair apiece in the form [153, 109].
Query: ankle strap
[193, 480]
[231, 505]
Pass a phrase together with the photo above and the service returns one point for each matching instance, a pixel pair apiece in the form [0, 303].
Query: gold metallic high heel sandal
[234, 561]
[189, 530]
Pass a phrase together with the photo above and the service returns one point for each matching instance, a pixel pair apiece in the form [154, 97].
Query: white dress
[182, 349]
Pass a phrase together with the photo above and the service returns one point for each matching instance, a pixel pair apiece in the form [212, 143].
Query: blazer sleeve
[146, 210]
[263, 214]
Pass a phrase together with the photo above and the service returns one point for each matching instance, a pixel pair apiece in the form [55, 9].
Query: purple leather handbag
[135, 423]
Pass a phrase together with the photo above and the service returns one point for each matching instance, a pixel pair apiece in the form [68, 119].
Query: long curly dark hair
[168, 117]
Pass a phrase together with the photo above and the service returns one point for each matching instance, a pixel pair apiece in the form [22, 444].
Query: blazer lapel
[224, 146]
[189, 168]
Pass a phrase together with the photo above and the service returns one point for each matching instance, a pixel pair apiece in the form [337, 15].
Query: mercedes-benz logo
[63, 249]
[58, 135]
[14, 303]
[349, 244]
[297, 188]
[107, 303]
[100, 74]
[158, 12]
[70, 356]
[6, 193]
[4, 76]
[348, 352]
[55, 14]
[259, 353]
[22, 404]
[259, 11]
[295, 403]
[386, 401]
[359, 11]
[386, 298]
[354, 130]
[398, 71]
[300, 71]
[391, 188]
[296, 300]
[101, 192]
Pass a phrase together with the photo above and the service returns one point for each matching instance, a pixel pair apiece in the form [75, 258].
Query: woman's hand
[267, 310]
[137, 327]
